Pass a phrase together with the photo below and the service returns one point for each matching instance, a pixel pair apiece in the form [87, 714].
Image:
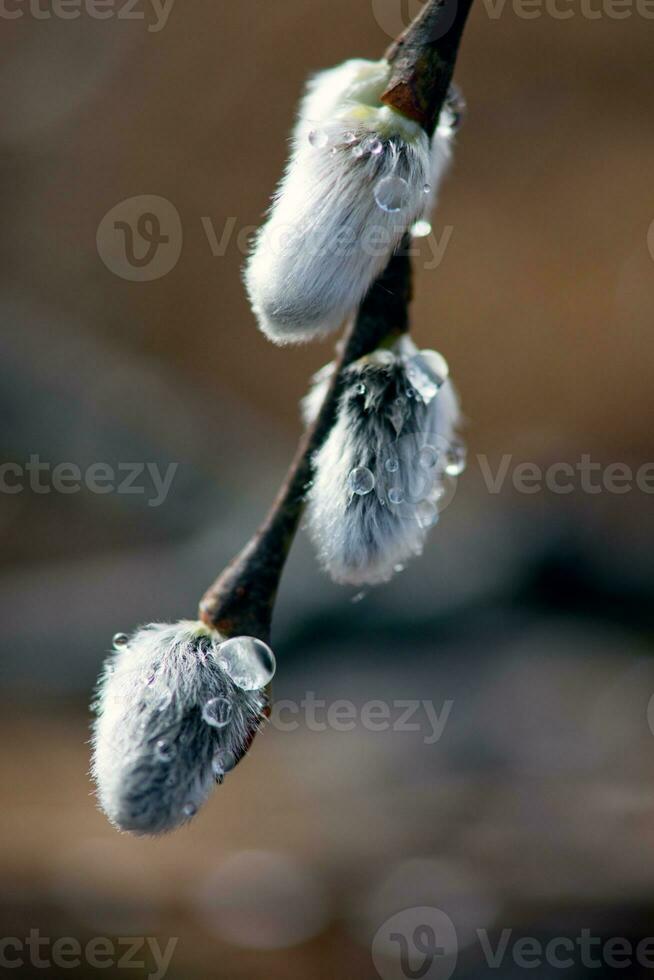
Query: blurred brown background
[531, 613]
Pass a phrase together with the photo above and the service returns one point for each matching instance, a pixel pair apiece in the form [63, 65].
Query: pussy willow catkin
[382, 475]
[360, 174]
[177, 707]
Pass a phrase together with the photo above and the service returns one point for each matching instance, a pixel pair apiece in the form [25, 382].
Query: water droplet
[392, 464]
[120, 640]
[359, 597]
[426, 189]
[358, 151]
[361, 481]
[189, 809]
[427, 371]
[318, 139]
[222, 763]
[248, 662]
[350, 138]
[396, 495]
[426, 513]
[410, 393]
[427, 457]
[217, 712]
[392, 194]
[376, 147]
[164, 750]
[398, 568]
[456, 459]
[421, 229]
[435, 362]
[361, 389]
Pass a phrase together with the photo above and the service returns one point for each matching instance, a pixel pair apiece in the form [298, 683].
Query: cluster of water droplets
[426, 373]
[358, 145]
[392, 193]
[248, 662]
[422, 496]
[451, 462]
[217, 712]
[368, 146]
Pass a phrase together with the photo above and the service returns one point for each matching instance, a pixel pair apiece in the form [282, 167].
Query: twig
[241, 600]
[423, 60]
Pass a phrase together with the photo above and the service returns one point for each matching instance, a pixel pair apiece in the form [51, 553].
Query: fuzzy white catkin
[396, 428]
[155, 757]
[359, 176]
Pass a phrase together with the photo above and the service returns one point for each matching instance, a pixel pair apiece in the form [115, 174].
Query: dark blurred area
[518, 797]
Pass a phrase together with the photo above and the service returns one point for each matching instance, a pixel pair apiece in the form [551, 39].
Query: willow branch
[423, 61]
[241, 600]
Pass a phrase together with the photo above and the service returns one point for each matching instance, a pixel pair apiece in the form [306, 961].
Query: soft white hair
[396, 421]
[327, 236]
[155, 757]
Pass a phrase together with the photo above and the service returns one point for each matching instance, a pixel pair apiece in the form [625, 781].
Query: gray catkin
[326, 237]
[153, 752]
[381, 421]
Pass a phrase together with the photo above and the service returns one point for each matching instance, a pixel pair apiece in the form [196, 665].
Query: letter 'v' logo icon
[140, 239]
